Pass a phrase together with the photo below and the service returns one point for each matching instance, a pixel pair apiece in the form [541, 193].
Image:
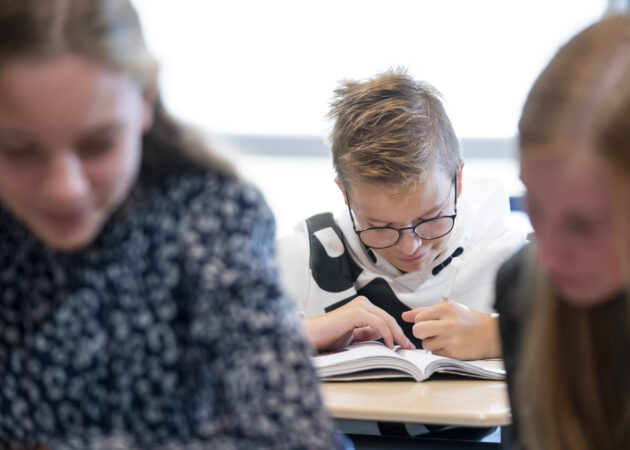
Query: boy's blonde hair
[391, 130]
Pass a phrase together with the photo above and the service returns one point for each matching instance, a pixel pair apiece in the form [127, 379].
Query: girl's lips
[565, 281]
[66, 218]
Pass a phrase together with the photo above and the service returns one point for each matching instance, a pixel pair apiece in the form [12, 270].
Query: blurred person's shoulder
[200, 190]
[515, 282]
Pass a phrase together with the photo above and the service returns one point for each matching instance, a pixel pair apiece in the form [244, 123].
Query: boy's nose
[409, 242]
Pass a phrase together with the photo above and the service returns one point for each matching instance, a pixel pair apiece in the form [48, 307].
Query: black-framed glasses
[384, 237]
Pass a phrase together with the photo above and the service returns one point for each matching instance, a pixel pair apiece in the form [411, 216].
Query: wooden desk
[463, 402]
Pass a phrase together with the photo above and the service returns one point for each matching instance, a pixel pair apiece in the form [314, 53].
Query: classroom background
[257, 77]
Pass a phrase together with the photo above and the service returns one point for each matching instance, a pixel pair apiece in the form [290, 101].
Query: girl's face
[571, 204]
[374, 205]
[70, 145]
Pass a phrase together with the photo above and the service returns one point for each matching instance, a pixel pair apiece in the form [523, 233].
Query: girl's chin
[69, 238]
[585, 298]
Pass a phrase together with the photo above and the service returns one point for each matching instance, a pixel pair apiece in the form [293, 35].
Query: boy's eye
[373, 225]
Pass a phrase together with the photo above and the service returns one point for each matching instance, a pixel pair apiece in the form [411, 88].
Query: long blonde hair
[573, 386]
[107, 32]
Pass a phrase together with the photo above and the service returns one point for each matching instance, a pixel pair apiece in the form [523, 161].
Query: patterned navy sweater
[169, 328]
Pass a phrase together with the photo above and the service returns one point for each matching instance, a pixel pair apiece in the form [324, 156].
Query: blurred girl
[138, 298]
[565, 316]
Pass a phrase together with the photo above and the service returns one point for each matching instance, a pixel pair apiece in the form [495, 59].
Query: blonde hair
[392, 130]
[107, 32]
[573, 385]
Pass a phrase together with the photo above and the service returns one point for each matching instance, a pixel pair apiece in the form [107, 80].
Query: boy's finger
[429, 313]
[427, 329]
[408, 316]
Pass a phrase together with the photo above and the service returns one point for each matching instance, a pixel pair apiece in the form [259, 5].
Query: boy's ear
[460, 172]
[343, 191]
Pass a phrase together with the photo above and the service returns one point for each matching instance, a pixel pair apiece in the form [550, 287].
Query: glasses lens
[379, 237]
[435, 228]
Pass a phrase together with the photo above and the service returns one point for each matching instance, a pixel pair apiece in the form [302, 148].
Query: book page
[363, 356]
[372, 356]
[355, 352]
[419, 357]
[488, 369]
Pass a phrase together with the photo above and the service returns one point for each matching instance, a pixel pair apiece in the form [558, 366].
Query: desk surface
[465, 402]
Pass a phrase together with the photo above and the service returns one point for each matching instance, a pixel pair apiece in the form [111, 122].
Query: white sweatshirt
[481, 229]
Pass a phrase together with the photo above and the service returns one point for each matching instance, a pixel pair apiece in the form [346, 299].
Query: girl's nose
[65, 179]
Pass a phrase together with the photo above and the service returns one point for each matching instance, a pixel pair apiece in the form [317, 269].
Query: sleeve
[293, 265]
[490, 240]
[248, 370]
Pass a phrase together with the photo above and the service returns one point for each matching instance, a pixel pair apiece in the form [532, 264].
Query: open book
[373, 360]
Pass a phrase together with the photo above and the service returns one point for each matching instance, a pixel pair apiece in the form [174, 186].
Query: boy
[409, 259]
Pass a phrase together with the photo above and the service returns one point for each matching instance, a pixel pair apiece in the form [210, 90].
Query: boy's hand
[356, 321]
[454, 330]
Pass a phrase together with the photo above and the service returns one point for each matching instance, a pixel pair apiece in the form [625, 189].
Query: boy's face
[377, 205]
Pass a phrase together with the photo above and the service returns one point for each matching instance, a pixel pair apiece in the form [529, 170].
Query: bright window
[269, 67]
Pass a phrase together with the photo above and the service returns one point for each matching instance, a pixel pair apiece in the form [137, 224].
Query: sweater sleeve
[293, 265]
[247, 366]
